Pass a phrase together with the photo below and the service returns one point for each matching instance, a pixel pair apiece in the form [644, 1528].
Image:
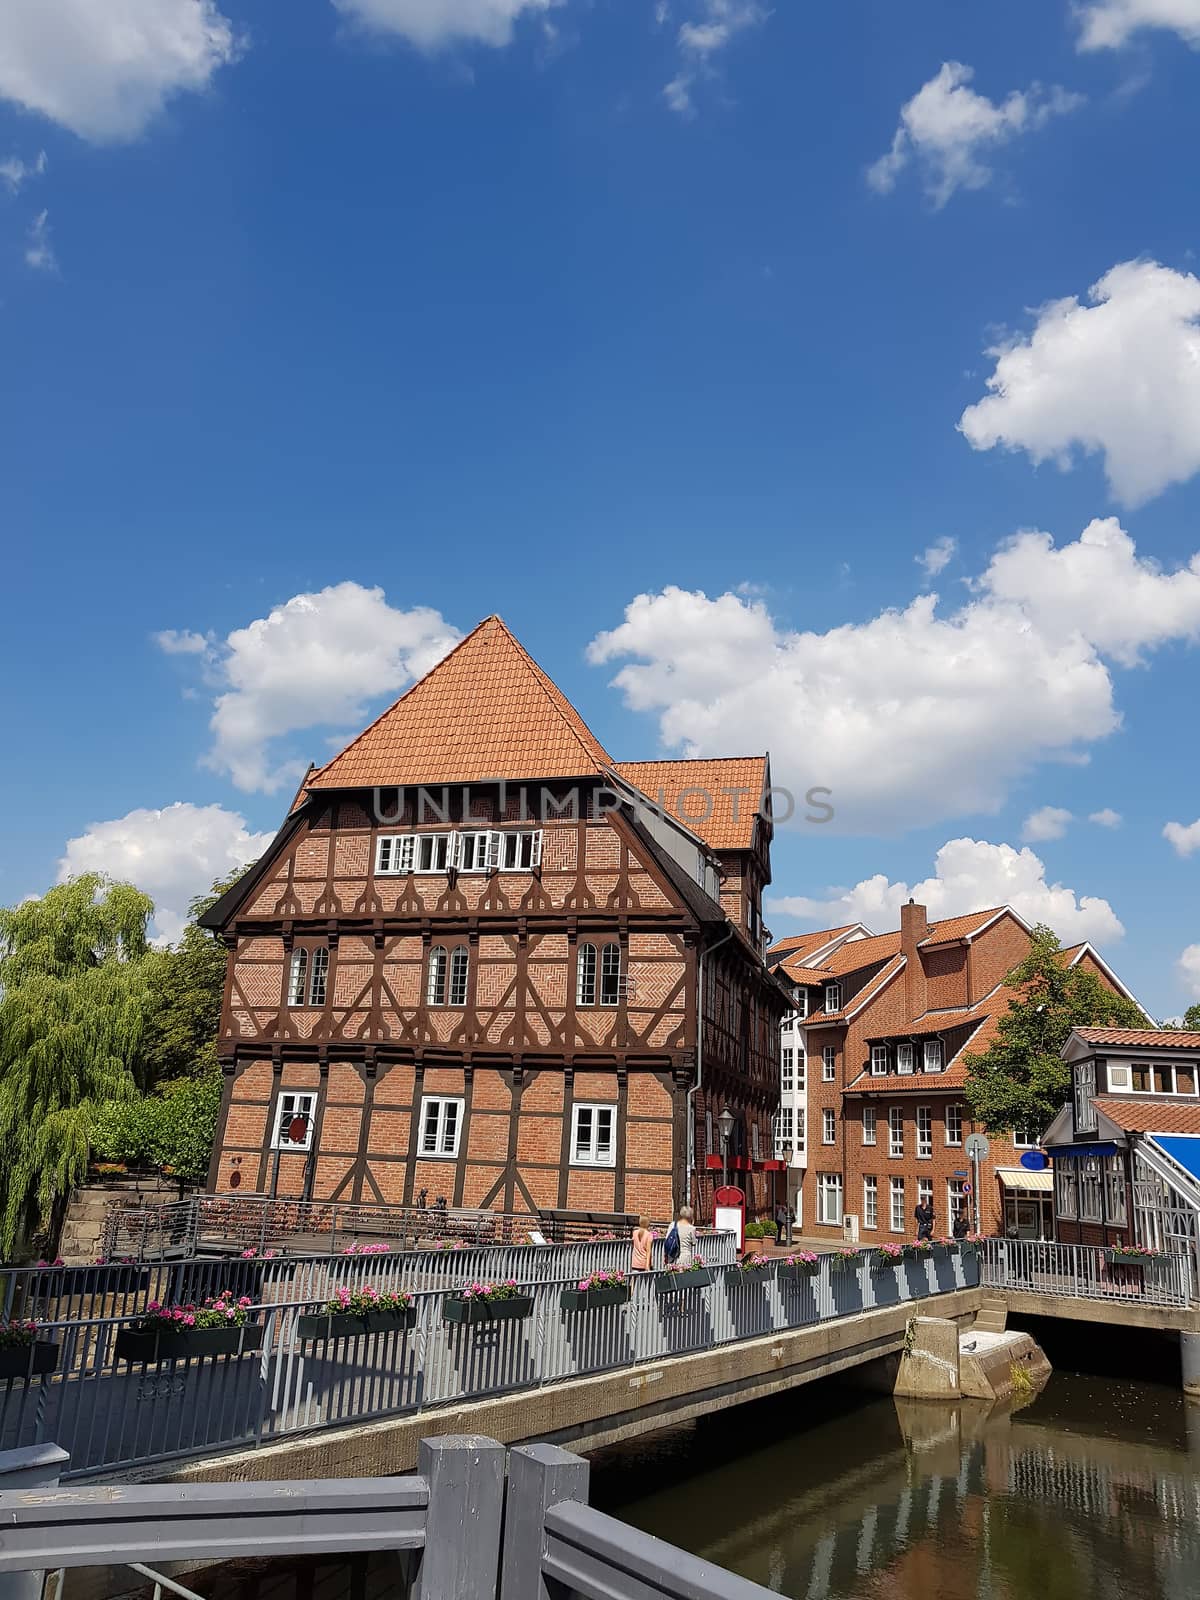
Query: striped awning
[1030, 1182]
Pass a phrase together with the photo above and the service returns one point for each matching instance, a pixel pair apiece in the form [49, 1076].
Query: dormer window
[904, 1059]
[879, 1059]
[933, 1055]
[833, 997]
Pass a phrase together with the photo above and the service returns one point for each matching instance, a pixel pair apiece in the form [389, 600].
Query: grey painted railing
[111, 1414]
[1084, 1272]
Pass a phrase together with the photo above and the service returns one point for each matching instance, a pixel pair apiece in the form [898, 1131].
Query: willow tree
[73, 975]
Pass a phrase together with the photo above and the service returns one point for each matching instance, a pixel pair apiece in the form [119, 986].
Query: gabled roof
[734, 790]
[1139, 1038]
[1150, 1116]
[487, 711]
[955, 928]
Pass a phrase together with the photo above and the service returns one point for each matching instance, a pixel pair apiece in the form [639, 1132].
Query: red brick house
[872, 1063]
[483, 962]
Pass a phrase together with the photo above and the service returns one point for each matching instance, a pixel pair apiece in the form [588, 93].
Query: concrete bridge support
[1189, 1357]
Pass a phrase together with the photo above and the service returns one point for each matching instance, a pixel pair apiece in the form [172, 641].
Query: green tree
[1191, 1018]
[73, 998]
[173, 1128]
[1020, 1080]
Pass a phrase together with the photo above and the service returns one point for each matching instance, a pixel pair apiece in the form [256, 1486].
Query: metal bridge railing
[112, 1414]
[1084, 1272]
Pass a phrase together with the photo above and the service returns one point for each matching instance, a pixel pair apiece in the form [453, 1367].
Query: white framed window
[1091, 1190]
[1085, 1088]
[1119, 1081]
[298, 978]
[598, 975]
[435, 987]
[870, 1202]
[897, 1219]
[870, 1124]
[480, 850]
[933, 1055]
[829, 1198]
[787, 1069]
[801, 1003]
[1066, 1189]
[521, 850]
[394, 853]
[460, 962]
[447, 981]
[904, 1059]
[955, 1198]
[432, 852]
[879, 1059]
[593, 1135]
[308, 976]
[801, 1072]
[783, 1131]
[829, 1064]
[1115, 1204]
[954, 1124]
[441, 1124]
[895, 1130]
[291, 1110]
[828, 1125]
[318, 978]
[924, 1133]
[1024, 1139]
[1161, 1078]
[833, 997]
[473, 850]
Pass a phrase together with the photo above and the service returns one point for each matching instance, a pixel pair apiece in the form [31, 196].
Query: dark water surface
[1090, 1490]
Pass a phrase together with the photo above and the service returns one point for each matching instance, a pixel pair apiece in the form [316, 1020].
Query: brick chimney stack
[914, 925]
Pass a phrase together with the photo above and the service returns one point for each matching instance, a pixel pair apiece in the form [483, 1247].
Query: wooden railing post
[539, 1476]
[461, 1559]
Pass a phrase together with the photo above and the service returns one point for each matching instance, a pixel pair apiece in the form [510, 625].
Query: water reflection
[1089, 1490]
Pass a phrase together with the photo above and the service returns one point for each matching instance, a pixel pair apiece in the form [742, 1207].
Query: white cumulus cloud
[434, 24]
[968, 875]
[314, 661]
[916, 715]
[106, 68]
[1119, 377]
[937, 557]
[1050, 822]
[173, 854]
[1189, 970]
[949, 131]
[701, 38]
[1184, 837]
[1107, 818]
[1108, 24]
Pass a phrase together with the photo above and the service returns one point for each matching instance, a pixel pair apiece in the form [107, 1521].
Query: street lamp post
[725, 1124]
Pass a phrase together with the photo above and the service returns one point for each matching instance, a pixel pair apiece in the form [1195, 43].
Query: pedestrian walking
[685, 1227]
[924, 1218]
[643, 1246]
[781, 1223]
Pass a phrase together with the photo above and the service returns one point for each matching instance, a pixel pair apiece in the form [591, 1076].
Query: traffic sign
[966, 1188]
[961, 1173]
[977, 1147]
[1034, 1161]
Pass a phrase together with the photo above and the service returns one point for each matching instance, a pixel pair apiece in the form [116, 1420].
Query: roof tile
[731, 799]
[1141, 1038]
[1150, 1116]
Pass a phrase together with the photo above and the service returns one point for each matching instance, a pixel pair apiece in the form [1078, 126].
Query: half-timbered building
[484, 963]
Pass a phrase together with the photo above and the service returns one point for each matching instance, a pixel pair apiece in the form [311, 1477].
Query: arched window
[319, 978]
[297, 980]
[458, 975]
[610, 975]
[585, 982]
[435, 993]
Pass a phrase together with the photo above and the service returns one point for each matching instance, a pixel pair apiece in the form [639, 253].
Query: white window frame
[879, 1060]
[801, 1003]
[954, 1125]
[1024, 1139]
[298, 977]
[924, 1191]
[394, 854]
[833, 997]
[1116, 1204]
[924, 1133]
[933, 1056]
[870, 1125]
[955, 1198]
[829, 1199]
[1066, 1189]
[895, 1132]
[828, 1125]
[904, 1059]
[458, 977]
[436, 975]
[318, 975]
[291, 1103]
[588, 1147]
[896, 1206]
[520, 850]
[1122, 1084]
[1083, 1095]
[1091, 1189]
[829, 1064]
[871, 1203]
[441, 1130]
[787, 1069]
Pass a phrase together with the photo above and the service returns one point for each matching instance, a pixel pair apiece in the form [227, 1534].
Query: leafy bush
[174, 1128]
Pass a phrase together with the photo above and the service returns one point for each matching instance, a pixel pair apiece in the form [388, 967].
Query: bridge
[1085, 1283]
[284, 1404]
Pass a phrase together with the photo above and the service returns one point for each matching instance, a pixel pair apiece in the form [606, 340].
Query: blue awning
[1181, 1147]
[1078, 1152]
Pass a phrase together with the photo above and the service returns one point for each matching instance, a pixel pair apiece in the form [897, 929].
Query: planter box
[882, 1264]
[56, 1283]
[677, 1282]
[945, 1249]
[612, 1294]
[345, 1325]
[797, 1273]
[753, 1274]
[1116, 1259]
[466, 1313]
[33, 1361]
[837, 1264]
[134, 1344]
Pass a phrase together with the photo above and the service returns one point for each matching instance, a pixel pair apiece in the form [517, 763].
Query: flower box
[677, 1282]
[465, 1313]
[881, 1263]
[610, 1294]
[946, 1248]
[844, 1263]
[190, 1344]
[348, 1325]
[1116, 1257]
[756, 1272]
[795, 1271]
[28, 1361]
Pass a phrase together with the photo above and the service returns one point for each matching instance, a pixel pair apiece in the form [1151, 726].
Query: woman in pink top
[643, 1244]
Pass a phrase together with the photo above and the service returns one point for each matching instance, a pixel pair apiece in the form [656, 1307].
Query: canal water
[1089, 1490]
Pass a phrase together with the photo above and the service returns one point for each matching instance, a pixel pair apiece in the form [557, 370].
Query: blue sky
[501, 305]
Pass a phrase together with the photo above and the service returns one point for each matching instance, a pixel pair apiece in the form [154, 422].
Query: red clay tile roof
[796, 944]
[1141, 1038]
[803, 974]
[1150, 1116]
[729, 824]
[986, 1017]
[954, 928]
[854, 1002]
[486, 711]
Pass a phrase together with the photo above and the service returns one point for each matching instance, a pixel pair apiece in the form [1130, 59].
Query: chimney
[914, 925]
